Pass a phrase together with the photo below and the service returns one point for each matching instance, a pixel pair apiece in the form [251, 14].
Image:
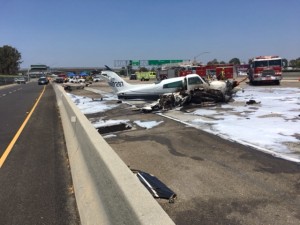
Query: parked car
[59, 80]
[76, 80]
[43, 81]
[20, 80]
[97, 78]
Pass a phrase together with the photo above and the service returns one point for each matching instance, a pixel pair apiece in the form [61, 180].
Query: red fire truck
[265, 69]
[220, 71]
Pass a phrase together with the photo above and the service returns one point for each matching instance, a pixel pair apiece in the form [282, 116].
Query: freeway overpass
[61, 69]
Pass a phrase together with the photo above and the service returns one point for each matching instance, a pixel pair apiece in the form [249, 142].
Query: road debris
[71, 86]
[114, 127]
[157, 188]
[97, 99]
[251, 102]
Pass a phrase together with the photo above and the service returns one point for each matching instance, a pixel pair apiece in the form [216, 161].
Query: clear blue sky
[62, 33]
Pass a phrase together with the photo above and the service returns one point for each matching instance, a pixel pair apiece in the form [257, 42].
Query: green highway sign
[142, 63]
[176, 61]
[162, 62]
[135, 62]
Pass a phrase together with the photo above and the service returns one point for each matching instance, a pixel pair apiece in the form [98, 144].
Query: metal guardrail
[6, 80]
[106, 190]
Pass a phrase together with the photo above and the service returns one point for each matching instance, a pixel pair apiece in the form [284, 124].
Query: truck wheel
[252, 82]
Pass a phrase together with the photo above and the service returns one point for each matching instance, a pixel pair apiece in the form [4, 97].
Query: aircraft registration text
[116, 84]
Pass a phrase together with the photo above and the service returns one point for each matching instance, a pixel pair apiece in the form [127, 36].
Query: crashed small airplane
[223, 90]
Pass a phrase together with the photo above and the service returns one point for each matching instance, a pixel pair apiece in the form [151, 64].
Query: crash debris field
[231, 163]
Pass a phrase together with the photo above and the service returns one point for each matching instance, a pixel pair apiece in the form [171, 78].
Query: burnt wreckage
[201, 95]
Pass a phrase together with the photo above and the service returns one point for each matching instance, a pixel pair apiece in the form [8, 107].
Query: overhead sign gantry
[144, 63]
[39, 67]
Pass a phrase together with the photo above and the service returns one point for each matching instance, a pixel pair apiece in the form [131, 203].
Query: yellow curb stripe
[14, 140]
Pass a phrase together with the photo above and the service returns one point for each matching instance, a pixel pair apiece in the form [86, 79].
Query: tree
[235, 61]
[123, 71]
[298, 62]
[295, 63]
[285, 63]
[213, 62]
[143, 69]
[10, 60]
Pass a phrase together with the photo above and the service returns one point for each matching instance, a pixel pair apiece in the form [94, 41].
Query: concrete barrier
[106, 190]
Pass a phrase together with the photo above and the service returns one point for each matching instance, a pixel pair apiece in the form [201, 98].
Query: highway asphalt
[35, 180]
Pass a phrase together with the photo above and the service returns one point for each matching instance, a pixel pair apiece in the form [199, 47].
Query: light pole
[28, 73]
[202, 53]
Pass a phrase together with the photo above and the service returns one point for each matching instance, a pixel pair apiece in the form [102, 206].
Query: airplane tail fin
[115, 81]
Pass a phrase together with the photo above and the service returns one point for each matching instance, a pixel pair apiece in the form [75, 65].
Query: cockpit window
[194, 80]
[176, 84]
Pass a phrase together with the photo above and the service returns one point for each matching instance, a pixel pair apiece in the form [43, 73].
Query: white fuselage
[150, 90]
[153, 91]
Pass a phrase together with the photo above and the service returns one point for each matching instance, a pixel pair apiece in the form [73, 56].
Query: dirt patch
[85, 93]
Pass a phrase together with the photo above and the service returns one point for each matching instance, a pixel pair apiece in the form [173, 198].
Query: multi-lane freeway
[35, 181]
[216, 181]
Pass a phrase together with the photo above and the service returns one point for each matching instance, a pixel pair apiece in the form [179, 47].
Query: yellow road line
[14, 140]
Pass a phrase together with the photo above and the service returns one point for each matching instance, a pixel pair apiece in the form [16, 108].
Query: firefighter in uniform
[222, 75]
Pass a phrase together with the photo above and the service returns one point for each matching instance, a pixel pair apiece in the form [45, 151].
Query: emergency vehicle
[220, 71]
[265, 69]
[145, 76]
